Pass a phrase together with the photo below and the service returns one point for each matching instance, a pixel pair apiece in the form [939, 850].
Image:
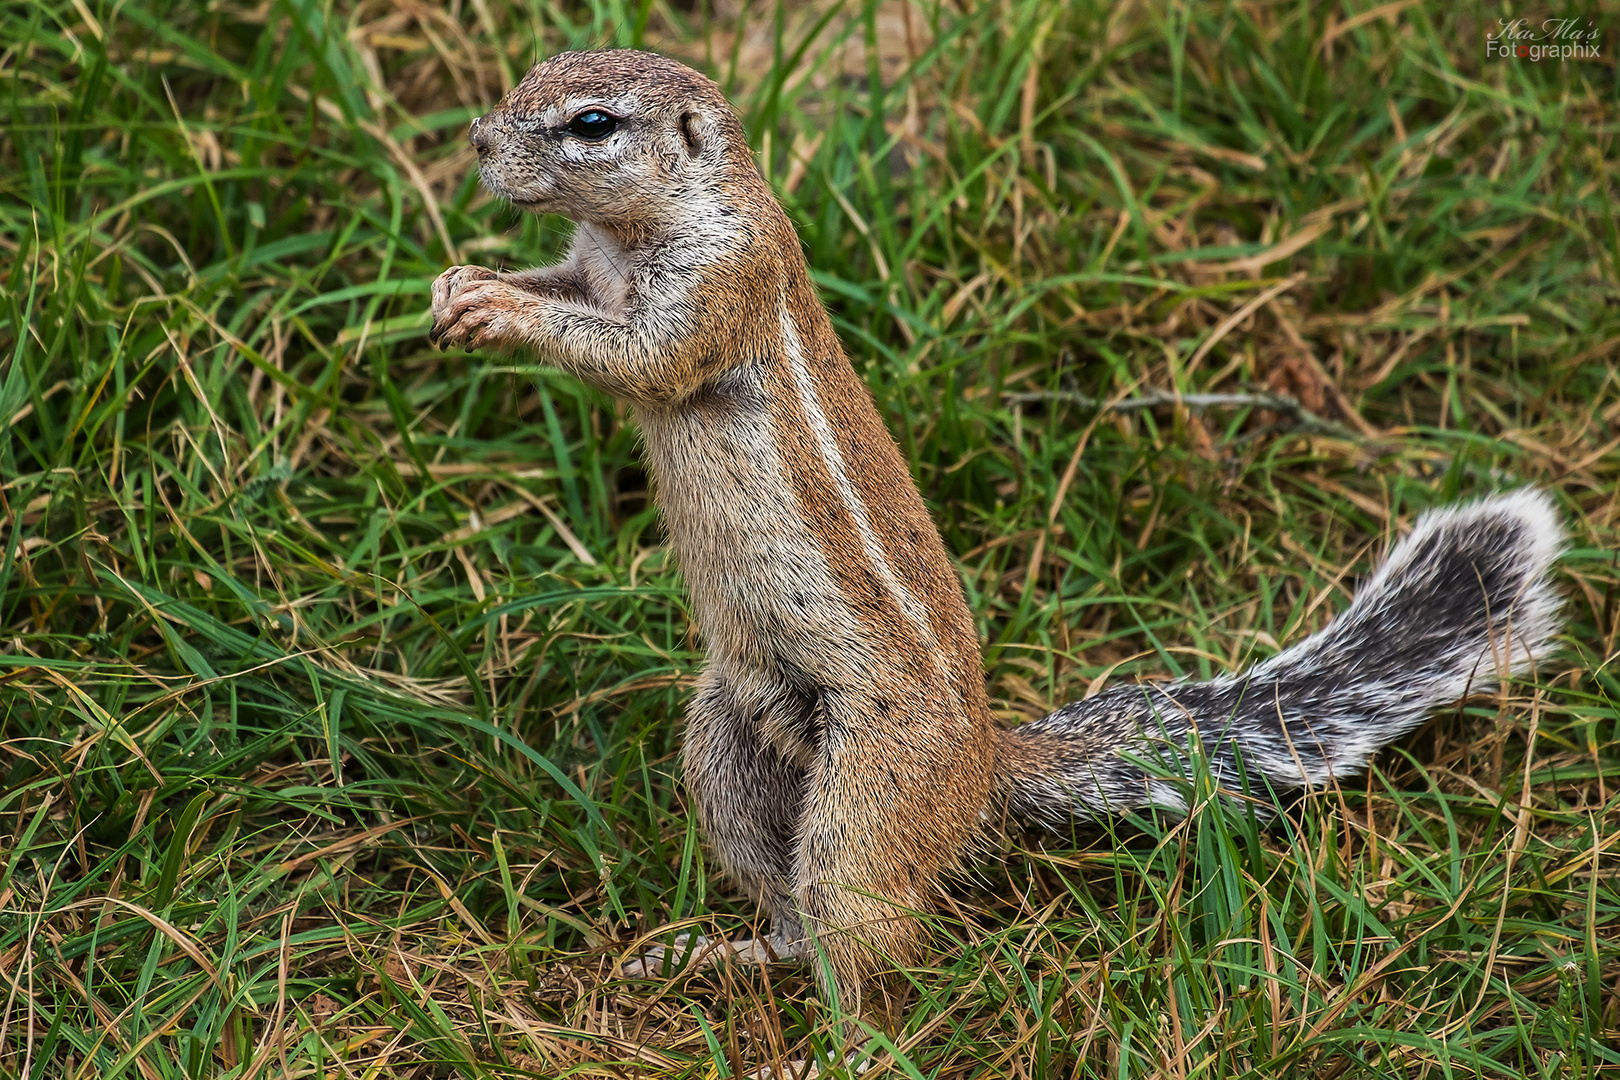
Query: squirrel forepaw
[473, 307]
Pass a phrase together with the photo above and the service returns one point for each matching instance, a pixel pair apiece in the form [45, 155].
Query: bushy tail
[1458, 605]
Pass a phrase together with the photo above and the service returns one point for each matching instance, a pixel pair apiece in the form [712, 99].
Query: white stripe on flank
[852, 499]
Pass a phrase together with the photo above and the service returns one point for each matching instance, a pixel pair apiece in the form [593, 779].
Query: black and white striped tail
[1460, 604]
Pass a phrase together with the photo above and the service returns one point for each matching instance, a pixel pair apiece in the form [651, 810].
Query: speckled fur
[840, 747]
[1460, 603]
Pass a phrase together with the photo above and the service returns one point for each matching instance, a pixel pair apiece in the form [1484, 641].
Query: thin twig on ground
[1303, 419]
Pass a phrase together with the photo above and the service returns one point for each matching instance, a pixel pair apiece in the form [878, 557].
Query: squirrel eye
[593, 124]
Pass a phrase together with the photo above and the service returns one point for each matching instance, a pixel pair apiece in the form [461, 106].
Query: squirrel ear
[690, 123]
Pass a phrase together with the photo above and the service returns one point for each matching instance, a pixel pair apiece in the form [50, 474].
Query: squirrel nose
[478, 136]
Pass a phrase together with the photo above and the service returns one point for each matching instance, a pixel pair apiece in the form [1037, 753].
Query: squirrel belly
[840, 749]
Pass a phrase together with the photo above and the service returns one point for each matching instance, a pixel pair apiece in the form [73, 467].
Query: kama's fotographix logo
[1552, 39]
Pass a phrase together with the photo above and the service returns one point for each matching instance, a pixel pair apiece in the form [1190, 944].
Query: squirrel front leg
[638, 358]
[562, 282]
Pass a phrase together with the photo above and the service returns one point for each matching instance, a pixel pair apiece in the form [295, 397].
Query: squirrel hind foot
[804, 1069]
[695, 952]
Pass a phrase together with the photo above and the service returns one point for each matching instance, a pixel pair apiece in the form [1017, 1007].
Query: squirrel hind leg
[893, 804]
[749, 799]
[749, 795]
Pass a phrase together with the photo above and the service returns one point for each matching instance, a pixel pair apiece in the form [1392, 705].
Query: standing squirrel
[840, 746]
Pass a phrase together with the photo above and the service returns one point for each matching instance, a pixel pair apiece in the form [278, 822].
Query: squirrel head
[624, 139]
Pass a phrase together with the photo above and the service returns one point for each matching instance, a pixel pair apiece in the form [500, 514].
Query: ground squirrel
[840, 746]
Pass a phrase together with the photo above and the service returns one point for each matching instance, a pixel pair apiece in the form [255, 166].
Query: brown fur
[840, 747]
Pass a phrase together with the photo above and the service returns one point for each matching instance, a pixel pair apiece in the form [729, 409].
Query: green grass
[340, 680]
